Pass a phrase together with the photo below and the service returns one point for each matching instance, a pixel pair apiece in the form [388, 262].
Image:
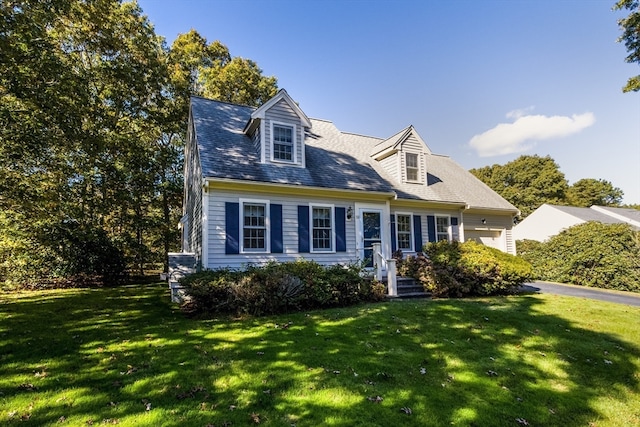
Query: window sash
[282, 143]
[254, 231]
[442, 228]
[322, 229]
[411, 163]
[403, 232]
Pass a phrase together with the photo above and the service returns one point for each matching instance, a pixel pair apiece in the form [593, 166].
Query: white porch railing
[379, 263]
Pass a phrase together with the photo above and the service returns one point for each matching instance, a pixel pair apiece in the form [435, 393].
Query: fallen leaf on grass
[608, 362]
[28, 387]
[255, 418]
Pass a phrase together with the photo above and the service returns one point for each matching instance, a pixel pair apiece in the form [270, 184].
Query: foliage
[526, 182]
[630, 26]
[126, 356]
[207, 69]
[418, 267]
[453, 269]
[531, 181]
[590, 254]
[588, 192]
[278, 288]
[93, 113]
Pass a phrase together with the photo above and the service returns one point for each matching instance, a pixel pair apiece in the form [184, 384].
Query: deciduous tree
[588, 192]
[630, 26]
[527, 182]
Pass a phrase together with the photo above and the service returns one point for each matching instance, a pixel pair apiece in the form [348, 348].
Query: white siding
[390, 164]
[193, 197]
[413, 144]
[216, 245]
[496, 230]
[423, 221]
[544, 222]
[283, 113]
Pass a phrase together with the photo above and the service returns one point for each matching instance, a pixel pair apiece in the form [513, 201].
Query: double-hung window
[322, 228]
[403, 232]
[442, 228]
[283, 143]
[254, 227]
[411, 166]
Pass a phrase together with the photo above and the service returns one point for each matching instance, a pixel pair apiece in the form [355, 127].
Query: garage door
[491, 238]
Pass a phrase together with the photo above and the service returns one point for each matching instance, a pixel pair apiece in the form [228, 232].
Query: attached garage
[488, 237]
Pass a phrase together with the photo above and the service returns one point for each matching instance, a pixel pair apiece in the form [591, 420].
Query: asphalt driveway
[627, 298]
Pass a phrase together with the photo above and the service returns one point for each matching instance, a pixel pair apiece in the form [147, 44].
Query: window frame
[267, 226]
[410, 232]
[416, 167]
[332, 233]
[448, 232]
[294, 142]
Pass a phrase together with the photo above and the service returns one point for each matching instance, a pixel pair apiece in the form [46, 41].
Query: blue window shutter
[454, 229]
[341, 229]
[417, 232]
[232, 228]
[275, 212]
[303, 229]
[393, 233]
[431, 227]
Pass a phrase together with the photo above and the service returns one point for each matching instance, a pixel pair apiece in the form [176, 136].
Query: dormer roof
[282, 95]
[390, 145]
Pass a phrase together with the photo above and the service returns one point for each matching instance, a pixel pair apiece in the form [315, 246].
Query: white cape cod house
[270, 183]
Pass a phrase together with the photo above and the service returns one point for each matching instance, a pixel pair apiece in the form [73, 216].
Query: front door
[371, 232]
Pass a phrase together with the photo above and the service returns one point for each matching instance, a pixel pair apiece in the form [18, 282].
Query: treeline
[93, 114]
[528, 182]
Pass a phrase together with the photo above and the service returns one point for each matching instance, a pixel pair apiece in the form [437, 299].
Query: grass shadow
[126, 355]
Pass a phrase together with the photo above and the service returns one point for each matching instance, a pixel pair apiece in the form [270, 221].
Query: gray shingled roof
[588, 214]
[334, 159]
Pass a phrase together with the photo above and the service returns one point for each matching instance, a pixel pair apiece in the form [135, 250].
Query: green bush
[453, 269]
[56, 254]
[278, 288]
[589, 254]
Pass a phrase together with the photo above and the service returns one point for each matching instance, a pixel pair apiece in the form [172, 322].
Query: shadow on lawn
[94, 356]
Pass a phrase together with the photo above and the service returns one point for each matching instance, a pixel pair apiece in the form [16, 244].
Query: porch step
[407, 287]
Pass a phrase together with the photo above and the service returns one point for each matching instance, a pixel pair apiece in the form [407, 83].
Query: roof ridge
[222, 102]
[360, 134]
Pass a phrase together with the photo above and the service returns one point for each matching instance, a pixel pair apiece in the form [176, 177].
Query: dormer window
[283, 142]
[411, 166]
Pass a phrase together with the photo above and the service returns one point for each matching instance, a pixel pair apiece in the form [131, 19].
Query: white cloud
[516, 114]
[521, 135]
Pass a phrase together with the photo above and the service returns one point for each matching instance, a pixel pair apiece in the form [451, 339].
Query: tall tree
[588, 192]
[81, 84]
[93, 113]
[630, 26]
[527, 182]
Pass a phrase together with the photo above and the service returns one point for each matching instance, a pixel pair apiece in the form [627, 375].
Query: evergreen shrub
[589, 254]
[279, 288]
[453, 269]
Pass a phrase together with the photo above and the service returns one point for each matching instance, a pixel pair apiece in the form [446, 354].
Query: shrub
[279, 288]
[456, 269]
[589, 254]
[56, 254]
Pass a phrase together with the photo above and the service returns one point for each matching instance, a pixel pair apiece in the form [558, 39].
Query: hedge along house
[270, 184]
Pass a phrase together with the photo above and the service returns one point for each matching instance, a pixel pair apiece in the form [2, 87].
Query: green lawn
[126, 356]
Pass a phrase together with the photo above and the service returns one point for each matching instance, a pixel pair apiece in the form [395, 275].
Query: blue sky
[482, 81]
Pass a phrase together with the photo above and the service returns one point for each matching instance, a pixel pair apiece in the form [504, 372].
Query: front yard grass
[126, 356]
